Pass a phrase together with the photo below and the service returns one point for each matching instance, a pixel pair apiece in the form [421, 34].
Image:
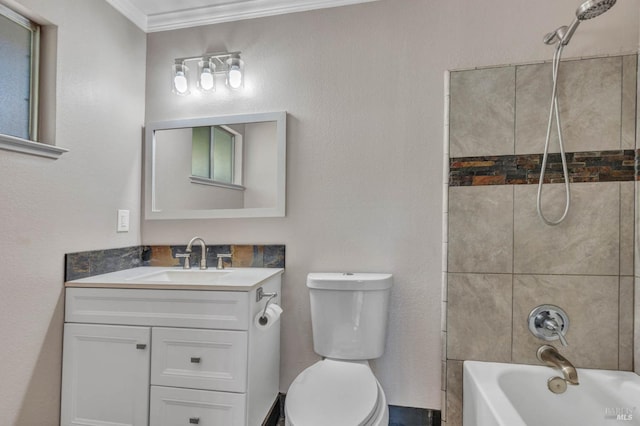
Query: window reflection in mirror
[229, 166]
[216, 155]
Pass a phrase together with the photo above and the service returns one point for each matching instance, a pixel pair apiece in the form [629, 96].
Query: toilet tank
[349, 314]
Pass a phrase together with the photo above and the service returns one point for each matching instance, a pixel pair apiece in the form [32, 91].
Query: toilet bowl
[337, 393]
[349, 321]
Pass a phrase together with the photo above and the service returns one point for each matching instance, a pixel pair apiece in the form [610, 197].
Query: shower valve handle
[551, 324]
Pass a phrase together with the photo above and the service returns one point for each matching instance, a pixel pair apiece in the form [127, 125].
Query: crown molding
[226, 12]
[131, 12]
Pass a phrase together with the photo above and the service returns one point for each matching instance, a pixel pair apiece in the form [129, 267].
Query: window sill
[204, 181]
[12, 143]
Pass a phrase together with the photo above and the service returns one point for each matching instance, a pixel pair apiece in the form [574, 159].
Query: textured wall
[363, 86]
[50, 207]
[503, 261]
[365, 157]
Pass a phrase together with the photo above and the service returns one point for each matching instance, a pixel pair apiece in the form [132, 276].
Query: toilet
[349, 322]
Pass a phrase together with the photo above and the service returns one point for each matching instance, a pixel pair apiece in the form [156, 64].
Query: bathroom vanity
[164, 347]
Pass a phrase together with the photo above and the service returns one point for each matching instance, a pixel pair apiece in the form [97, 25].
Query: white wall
[364, 87]
[51, 207]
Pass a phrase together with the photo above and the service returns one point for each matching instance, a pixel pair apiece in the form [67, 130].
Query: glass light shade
[235, 73]
[180, 81]
[206, 76]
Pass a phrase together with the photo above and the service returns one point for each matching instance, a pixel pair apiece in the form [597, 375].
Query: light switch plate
[123, 220]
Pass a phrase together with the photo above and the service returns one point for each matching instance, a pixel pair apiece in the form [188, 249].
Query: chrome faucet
[203, 258]
[550, 356]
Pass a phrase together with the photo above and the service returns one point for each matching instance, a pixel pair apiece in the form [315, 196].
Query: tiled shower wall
[502, 260]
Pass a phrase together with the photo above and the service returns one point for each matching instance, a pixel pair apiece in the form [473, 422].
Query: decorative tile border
[592, 166]
[242, 256]
[89, 263]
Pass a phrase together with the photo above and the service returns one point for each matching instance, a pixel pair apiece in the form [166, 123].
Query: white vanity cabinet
[164, 356]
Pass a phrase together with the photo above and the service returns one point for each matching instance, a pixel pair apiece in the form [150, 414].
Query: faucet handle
[549, 322]
[220, 262]
[563, 340]
[187, 259]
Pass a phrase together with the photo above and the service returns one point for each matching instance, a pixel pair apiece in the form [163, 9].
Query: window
[216, 156]
[19, 50]
[23, 76]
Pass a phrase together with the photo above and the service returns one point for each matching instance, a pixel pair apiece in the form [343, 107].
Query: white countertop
[177, 278]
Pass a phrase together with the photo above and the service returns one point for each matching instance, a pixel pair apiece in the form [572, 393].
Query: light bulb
[206, 76]
[235, 71]
[180, 83]
[206, 80]
[235, 77]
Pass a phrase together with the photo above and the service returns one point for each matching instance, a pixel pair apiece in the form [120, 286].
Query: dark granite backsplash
[88, 263]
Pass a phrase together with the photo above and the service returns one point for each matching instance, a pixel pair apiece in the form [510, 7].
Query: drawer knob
[141, 346]
[195, 360]
[194, 420]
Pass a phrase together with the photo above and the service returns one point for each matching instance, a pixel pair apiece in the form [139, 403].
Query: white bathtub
[498, 394]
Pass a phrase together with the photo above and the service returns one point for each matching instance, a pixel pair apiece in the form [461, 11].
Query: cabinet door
[105, 375]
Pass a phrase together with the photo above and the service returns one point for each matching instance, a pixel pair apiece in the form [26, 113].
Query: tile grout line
[619, 256]
[513, 264]
[513, 213]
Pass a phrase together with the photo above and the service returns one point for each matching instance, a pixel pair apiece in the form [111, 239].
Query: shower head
[593, 8]
[587, 10]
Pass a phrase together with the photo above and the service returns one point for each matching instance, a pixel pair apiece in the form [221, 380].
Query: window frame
[31, 145]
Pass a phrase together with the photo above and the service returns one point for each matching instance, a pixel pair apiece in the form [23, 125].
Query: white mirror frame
[278, 210]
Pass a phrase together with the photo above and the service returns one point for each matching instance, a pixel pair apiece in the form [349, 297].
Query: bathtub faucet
[550, 356]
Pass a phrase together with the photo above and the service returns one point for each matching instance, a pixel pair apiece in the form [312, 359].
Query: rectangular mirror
[216, 167]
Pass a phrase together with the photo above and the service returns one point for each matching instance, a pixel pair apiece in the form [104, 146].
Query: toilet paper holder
[261, 294]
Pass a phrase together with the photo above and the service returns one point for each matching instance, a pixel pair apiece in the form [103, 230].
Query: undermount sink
[185, 276]
[172, 277]
[517, 395]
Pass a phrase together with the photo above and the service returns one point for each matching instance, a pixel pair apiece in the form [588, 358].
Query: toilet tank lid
[349, 281]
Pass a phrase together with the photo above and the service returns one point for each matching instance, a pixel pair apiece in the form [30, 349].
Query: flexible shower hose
[554, 111]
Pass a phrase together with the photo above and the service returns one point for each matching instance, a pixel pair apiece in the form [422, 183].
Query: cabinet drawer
[170, 308]
[174, 406]
[200, 359]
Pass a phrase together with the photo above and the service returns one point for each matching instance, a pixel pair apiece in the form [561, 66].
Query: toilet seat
[337, 393]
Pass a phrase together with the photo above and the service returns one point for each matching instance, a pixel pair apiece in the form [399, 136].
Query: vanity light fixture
[209, 65]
